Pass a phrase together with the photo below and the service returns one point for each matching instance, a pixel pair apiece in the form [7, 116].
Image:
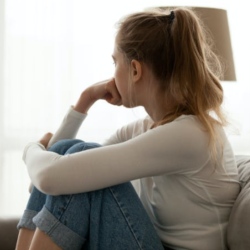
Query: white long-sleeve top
[187, 197]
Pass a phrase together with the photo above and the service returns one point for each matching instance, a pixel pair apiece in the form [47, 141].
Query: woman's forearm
[69, 126]
[85, 102]
[104, 90]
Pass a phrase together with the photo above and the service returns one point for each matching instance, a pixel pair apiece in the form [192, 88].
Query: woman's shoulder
[184, 124]
[185, 134]
[130, 130]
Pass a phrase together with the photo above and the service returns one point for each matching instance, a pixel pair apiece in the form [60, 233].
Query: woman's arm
[104, 90]
[71, 123]
[163, 150]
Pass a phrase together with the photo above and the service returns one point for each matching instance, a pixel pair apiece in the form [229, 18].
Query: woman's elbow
[44, 184]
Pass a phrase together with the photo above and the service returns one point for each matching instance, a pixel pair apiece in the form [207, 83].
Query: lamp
[216, 22]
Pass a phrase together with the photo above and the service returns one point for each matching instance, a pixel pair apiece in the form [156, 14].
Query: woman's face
[121, 76]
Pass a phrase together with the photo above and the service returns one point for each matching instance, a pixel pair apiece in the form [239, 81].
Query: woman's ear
[136, 70]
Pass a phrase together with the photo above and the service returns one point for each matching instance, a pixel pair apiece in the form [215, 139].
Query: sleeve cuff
[29, 145]
[76, 114]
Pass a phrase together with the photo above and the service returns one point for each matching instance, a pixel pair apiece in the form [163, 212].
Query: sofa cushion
[238, 236]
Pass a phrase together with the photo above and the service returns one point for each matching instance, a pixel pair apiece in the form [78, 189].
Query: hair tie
[171, 16]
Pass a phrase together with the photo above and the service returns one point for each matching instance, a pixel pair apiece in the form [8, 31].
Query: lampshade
[216, 22]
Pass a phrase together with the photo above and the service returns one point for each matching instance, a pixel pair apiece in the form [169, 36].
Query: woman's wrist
[84, 103]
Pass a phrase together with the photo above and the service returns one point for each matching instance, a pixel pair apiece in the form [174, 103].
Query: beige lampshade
[216, 22]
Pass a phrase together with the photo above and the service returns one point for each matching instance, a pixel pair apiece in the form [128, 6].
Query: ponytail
[175, 45]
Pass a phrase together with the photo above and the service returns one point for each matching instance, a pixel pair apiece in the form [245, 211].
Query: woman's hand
[104, 90]
[45, 139]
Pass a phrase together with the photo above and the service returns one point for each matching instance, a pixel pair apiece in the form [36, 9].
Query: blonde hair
[179, 51]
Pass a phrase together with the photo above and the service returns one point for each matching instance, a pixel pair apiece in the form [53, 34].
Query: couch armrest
[8, 233]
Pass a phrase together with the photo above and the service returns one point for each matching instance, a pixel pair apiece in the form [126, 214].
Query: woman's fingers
[112, 96]
[103, 90]
[45, 139]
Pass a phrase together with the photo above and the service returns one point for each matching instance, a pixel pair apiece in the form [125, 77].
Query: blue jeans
[110, 218]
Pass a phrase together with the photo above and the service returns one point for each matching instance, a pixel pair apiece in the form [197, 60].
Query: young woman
[179, 152]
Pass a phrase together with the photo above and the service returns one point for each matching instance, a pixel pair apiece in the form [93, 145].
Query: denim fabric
[110, 218]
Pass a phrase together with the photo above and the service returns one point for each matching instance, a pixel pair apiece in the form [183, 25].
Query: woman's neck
[158, 108]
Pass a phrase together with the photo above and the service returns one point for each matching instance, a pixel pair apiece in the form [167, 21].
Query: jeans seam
[126, 218]
[61, 215]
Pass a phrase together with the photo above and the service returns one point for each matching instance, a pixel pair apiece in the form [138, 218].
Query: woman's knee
[62, 146]
[82, 146]
[70, 146]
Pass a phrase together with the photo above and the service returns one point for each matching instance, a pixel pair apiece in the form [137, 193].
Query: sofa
[8, 233]
[238, 235]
